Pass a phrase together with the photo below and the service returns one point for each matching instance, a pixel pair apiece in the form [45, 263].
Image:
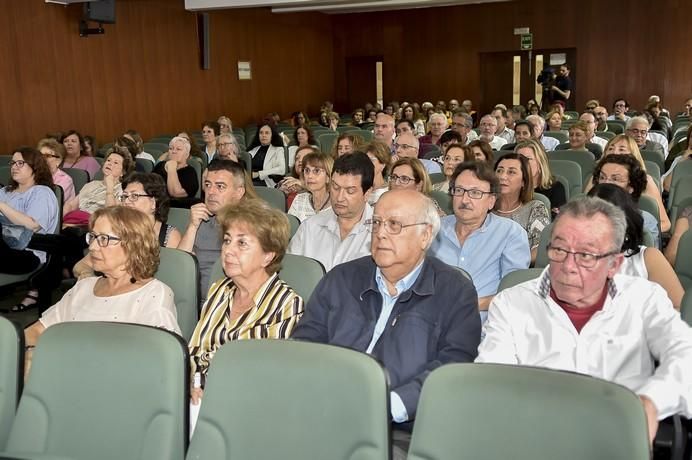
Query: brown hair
[38, 165]
[420, 175]
[356, 141]
[269, 225]
[137, 238]
[485, 148]
[381, 152]
[128, 162]
[526, 192]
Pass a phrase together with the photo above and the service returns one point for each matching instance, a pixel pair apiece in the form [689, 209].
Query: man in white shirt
[537, 122]
[502, 130]
[384, 130]
[488, 127]
[339, 234]
[590, 120]
[620, 108]
[581, 316]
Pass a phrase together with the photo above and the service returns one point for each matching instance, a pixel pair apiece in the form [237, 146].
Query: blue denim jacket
[434, 323]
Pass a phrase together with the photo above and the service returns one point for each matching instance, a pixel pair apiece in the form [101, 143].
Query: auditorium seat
[12, 374]
[179, 270]
[273, 196]
[586, 160]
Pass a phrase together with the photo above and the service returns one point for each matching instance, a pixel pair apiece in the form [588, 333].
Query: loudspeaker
[203, 38]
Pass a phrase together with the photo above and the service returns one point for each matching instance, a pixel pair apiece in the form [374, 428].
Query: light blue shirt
[431, 167]
[651, 224]
[39, 203]
[497, 248]
[398, 409]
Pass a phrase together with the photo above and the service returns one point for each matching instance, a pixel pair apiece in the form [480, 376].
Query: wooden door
[361, 80]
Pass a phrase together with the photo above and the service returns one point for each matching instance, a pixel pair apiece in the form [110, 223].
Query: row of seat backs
[125, 396]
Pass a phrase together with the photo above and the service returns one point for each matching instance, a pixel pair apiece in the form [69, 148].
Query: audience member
[54, 153]
[601, 114]
[554, 121]
[543, 180]
[181, 178]
[625, 172]
[378, 152]
[485, 245]
[99, 193]
[225, 183]
[502, 130]
[578, 135]
[482, 152]
[251, 302]
[448, 138]
[437, 125]
[302, 136]
[407, 146]
[590, 120]
[347, 143]
[27, 206]
[537, 123]
[454, 155]
[620, 108]
[267, 153]
[462, 123]
[225, 125]
[210, 130]
[404, 126]
[515, 199]
[75, 156]
[339, 234]
[384, 130]
[638, 129]
[90, 146]
[227, 148]
[353, 305]
[585, 317]
[294, 182]
[317, 169]
[411, 114]
[488, 127]
[135, 137]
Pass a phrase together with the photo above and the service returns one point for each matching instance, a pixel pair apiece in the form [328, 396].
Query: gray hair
[636, 120]
[182, 140]
[231, 139]
[430, 215]
[489, 117]
[589, 206]
[536, 120]
[468, 121]
[438, 115]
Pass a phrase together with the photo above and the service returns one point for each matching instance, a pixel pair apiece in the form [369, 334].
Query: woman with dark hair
[210, 130]
[482, 151]
[515, 200]
[147, 193]
[90, 146]
[28, 205]
[346, 143]
[378, 152]
[135, 137]
[410, 113]
[267, 153]
[640, 261]
[302, 136]
[358, 118]
[625, 172]
[75, 154]
[299, 119]
[454, 155]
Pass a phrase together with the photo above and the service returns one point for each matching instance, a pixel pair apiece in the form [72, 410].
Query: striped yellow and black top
[277, 309]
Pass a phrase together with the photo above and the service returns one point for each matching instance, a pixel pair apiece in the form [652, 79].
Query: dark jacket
[434, 323]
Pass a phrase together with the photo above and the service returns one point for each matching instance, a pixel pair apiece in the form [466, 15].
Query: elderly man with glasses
[407, 146]
[485, 245]
[580, 315]
[638, 129]
[410, 311]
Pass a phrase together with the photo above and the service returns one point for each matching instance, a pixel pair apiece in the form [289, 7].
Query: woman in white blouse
[267, 153]
[317, 170]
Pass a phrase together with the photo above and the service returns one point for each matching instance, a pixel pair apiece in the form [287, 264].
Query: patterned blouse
[277, 309]
[533, 217]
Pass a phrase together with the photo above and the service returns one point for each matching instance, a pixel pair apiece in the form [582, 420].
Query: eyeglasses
[405, 146]
[472, 193]
[617, 179]
[224, 144]
[132, 197]
[315, 171]
[583, 259]
[50, 155]
[102, 239]
[401, 180]
[391, 226]
[638, 132]
[18, 163]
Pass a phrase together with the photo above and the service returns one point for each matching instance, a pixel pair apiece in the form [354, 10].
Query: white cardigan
[274, 164]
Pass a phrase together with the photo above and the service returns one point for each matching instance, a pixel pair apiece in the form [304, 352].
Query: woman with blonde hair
[623, 144]
[543, 180]
[381, 158]
[54, 152]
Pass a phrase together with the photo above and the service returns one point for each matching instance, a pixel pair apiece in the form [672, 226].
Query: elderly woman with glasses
[317, 169]
[124, 249]
[227, 148]
[181, 178]
[146, 192]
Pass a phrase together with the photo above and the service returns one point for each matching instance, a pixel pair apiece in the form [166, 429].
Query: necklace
[324, 203]
[510, 211]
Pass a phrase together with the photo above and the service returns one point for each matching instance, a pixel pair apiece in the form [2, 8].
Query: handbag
[15, 236]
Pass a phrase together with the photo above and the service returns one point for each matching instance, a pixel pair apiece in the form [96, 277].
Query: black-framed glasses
[102, 239]
[132, 197]
[472, 193]
[391, 226]
[401, 180]
[18, 163]
[583, 259]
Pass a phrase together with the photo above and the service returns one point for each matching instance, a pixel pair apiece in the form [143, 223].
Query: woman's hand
[171, 166]
[110, 181]
[196, 395]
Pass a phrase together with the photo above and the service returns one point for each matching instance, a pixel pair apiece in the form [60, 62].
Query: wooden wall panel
[625, 48]
[144, 72]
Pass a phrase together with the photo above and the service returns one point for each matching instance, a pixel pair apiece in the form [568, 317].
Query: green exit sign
[527, 41]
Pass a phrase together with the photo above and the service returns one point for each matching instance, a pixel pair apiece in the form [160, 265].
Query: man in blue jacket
[413, 313]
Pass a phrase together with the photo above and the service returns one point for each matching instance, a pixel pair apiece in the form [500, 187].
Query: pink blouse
[63, 179]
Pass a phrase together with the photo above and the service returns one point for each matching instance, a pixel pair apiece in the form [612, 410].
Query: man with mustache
[224, 183]
[487, 246]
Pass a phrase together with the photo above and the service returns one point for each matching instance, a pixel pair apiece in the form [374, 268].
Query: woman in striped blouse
[251, 302]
